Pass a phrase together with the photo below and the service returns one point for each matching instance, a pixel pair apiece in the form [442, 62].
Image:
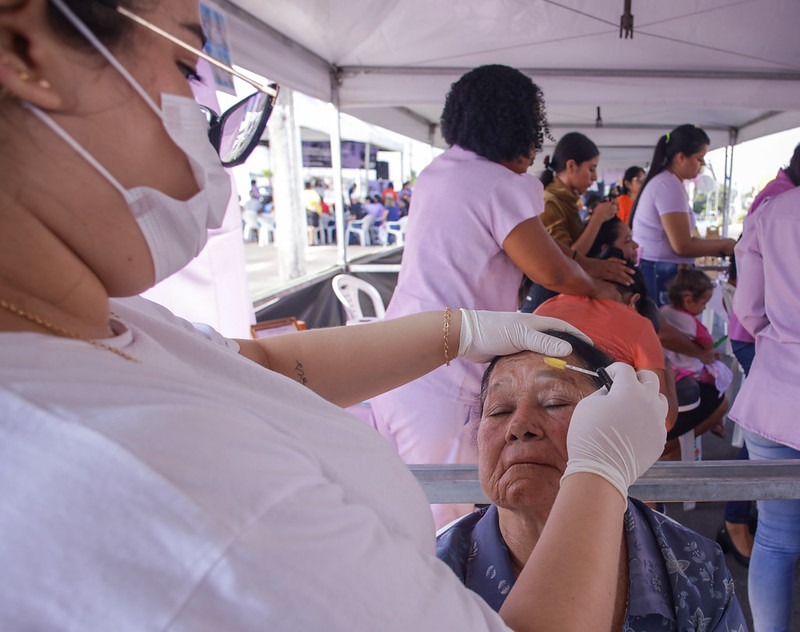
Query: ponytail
[548, 175]
[572, 146]
[684, 139]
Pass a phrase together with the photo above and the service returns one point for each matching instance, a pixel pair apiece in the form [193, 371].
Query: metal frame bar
[706, 481]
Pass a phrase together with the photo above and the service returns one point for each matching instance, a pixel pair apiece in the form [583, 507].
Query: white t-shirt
[663, 194]
[194, 490]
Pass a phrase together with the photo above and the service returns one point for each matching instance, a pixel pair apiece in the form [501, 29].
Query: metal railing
[664, 482]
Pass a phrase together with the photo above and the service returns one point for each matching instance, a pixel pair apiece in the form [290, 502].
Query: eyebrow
[197, 30]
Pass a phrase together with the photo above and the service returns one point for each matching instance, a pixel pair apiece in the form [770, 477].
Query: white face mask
[175, 230]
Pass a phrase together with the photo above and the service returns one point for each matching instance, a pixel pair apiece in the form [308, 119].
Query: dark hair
[572, 146]
[684, 139]
[495, 111]
[638, 286]
[793, 170]
[630, 174]
[694, 281]
[587, 356]
[607, 234]
[109, 26]
[592, 199]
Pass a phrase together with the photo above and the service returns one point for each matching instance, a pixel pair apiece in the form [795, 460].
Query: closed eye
[190, 73]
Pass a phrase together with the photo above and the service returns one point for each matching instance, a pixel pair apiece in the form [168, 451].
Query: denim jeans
[656, 276]
[777, 547]
[738, 511]
[744, 352]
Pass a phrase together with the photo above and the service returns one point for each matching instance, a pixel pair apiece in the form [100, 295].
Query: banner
[317, 153]
[215, 29]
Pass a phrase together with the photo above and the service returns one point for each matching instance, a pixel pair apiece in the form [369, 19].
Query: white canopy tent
[729, 66]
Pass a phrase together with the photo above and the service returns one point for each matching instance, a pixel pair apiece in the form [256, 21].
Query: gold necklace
[38, 320]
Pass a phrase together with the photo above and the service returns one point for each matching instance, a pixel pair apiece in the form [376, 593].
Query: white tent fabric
[730, 66]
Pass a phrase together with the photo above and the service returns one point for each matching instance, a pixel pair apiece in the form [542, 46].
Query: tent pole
[336, 164]
[290, 216]
[733, 135]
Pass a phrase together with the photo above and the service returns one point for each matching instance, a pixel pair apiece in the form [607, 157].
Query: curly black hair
[497, 112]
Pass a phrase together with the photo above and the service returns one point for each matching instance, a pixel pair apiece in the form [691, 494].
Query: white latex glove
[485, 335]
[618, 434]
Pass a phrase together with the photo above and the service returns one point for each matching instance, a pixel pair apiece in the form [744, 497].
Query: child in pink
[688, 293]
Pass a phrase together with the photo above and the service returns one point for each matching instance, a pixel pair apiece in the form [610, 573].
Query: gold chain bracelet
[446, 335]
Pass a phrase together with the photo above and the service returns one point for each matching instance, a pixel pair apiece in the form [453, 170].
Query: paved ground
[706, 518]
[262, 265]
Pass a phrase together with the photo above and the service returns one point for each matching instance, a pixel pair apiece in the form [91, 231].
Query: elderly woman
[670, 578]
[474, 232]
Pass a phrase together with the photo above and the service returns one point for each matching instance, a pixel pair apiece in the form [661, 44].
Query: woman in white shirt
[152, 477]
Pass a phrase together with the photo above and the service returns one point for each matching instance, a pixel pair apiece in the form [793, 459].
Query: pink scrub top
[766, 301]
[464, 208]
[780, 184]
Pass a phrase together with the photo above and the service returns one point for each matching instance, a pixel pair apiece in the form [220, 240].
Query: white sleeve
[212, 335]
[316, 561]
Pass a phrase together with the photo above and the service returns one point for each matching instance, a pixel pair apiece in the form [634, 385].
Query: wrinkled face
[625, 243]
[582, 176]
[522, 437]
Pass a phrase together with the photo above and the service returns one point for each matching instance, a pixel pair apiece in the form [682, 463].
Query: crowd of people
[156, 475]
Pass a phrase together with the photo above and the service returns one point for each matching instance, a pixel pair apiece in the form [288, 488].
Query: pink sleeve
[513, 200]
[671, 198]
[748, 300]
[702, 336]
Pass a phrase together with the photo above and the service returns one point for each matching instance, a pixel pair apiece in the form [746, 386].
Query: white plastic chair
[250, 224]
[361, 229]
[266, 230]
[327, 223]
[398, 229]
[347, 288]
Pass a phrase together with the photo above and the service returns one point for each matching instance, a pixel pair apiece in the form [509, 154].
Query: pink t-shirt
[663, 194]
[766, 301]
[464, 208]
[780, 184]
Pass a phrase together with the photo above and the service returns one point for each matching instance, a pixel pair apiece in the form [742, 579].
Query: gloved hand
[485, 335]
[618, 434]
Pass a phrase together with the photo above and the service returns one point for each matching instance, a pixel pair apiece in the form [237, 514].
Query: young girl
[689, 293]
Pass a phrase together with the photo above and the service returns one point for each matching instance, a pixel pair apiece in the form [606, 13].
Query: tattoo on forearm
[301, 374]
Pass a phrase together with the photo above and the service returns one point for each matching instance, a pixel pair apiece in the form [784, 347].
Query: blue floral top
[678, 579]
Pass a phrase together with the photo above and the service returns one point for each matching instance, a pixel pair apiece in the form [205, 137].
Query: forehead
[179, 17]
[528, 366]
[623, 230]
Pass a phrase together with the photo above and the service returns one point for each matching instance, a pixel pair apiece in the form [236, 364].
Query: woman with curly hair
[474, 232]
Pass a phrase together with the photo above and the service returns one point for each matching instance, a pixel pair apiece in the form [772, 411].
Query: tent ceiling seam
[230, 7]
[725, 75]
